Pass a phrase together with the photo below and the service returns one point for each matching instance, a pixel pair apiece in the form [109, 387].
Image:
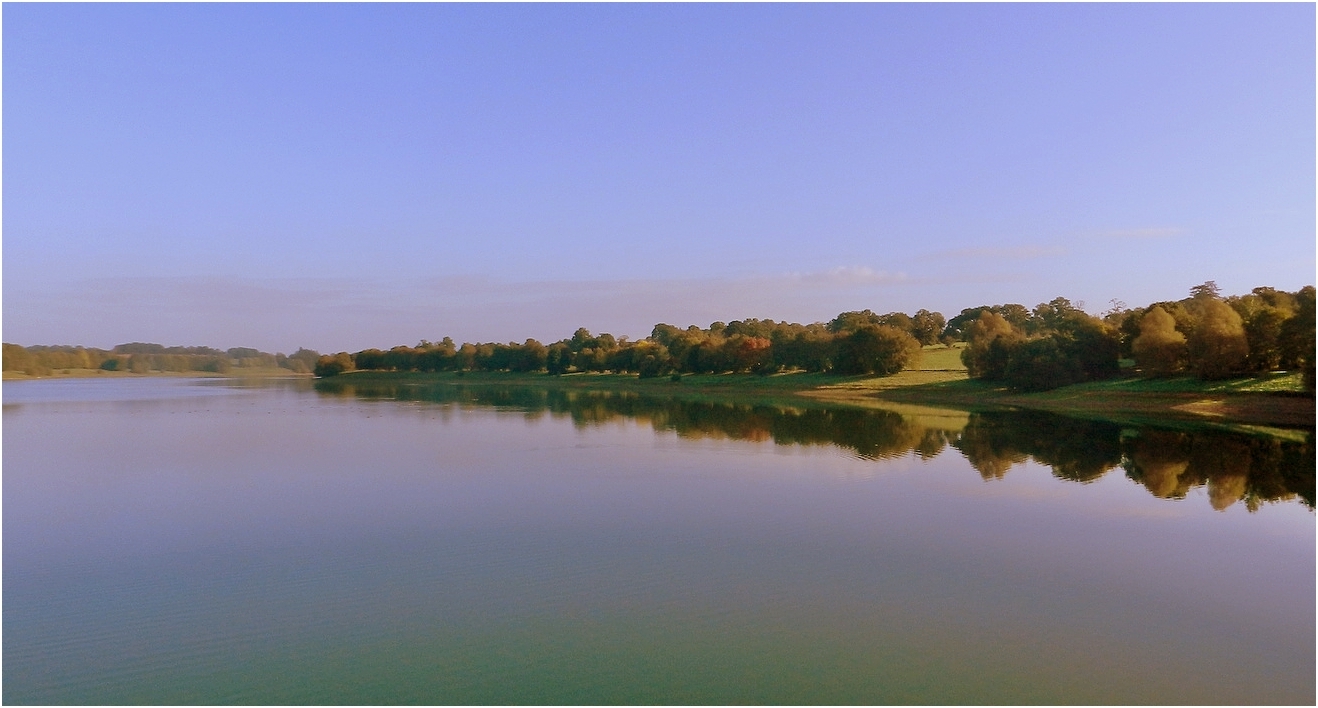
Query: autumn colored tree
[743, 353]
[333, 365]
[1159, 349]
[1217, 349]
[17, 358]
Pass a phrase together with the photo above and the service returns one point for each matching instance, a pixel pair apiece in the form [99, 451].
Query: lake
[214, 541]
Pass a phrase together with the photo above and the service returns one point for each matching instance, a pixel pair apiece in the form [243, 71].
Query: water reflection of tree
[1079, 451]
[1158, 459]
[1168, 464]
[1232, 467]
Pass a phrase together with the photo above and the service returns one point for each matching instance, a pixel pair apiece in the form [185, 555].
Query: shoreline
[1240, 404]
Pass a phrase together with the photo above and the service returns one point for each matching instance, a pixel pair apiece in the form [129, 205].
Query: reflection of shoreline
[1233, 467]
[1125, 402]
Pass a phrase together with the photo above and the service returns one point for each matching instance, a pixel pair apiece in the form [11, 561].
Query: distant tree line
[852, 343]
[1055, 344]
[141, 358]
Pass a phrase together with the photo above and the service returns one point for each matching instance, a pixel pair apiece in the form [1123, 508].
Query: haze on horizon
[348, 176]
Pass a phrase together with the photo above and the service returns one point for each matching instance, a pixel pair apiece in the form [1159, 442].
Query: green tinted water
[192, 542]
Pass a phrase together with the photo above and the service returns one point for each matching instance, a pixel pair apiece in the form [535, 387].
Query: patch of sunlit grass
[1274, 382]
[940, 358]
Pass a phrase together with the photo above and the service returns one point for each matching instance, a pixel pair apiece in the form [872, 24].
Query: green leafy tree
[850, 321]
[1263, 333]
[1052, 315]
[558, 358]
[1207, 291]
[1296, 339]
[875, 349]
[991, 338]
[652, 360]
[927, 326]
[368, 360]
[530, 356]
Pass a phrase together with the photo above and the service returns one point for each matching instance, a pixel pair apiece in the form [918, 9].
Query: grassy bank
[938, 383]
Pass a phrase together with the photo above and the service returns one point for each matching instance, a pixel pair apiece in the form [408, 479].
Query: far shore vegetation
[1244, 359]
[144, 358]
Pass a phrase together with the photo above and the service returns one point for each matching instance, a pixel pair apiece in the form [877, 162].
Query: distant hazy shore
[237, 373]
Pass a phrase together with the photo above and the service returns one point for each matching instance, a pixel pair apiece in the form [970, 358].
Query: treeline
[1055, 344]
[141, 358]
[852, 343]
[1205, 334]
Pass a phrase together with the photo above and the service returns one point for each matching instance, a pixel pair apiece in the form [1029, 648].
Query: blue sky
[346, 176]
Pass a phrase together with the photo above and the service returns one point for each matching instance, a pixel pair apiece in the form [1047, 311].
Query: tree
[991, 337]
[368, 359]
[16, 358]
[926, 326]
[1159, 349]
[531, 356]
[1052, 315]
[334, 365]
[957, 328]
[1093, 344]
[581, 339]
[651, 360]
[558, 358]
[1207, 291]
[1296, 339]
[400, 358]
[898, 320]
[1217, 349]
[875, 349]
[303, 361]
[665, 334]
[849, 321]
[1263, 332]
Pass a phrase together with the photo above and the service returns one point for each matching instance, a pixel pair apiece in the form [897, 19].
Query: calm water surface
[183, 541]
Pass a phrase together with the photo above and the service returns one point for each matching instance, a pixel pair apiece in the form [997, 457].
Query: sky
[344, 176]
